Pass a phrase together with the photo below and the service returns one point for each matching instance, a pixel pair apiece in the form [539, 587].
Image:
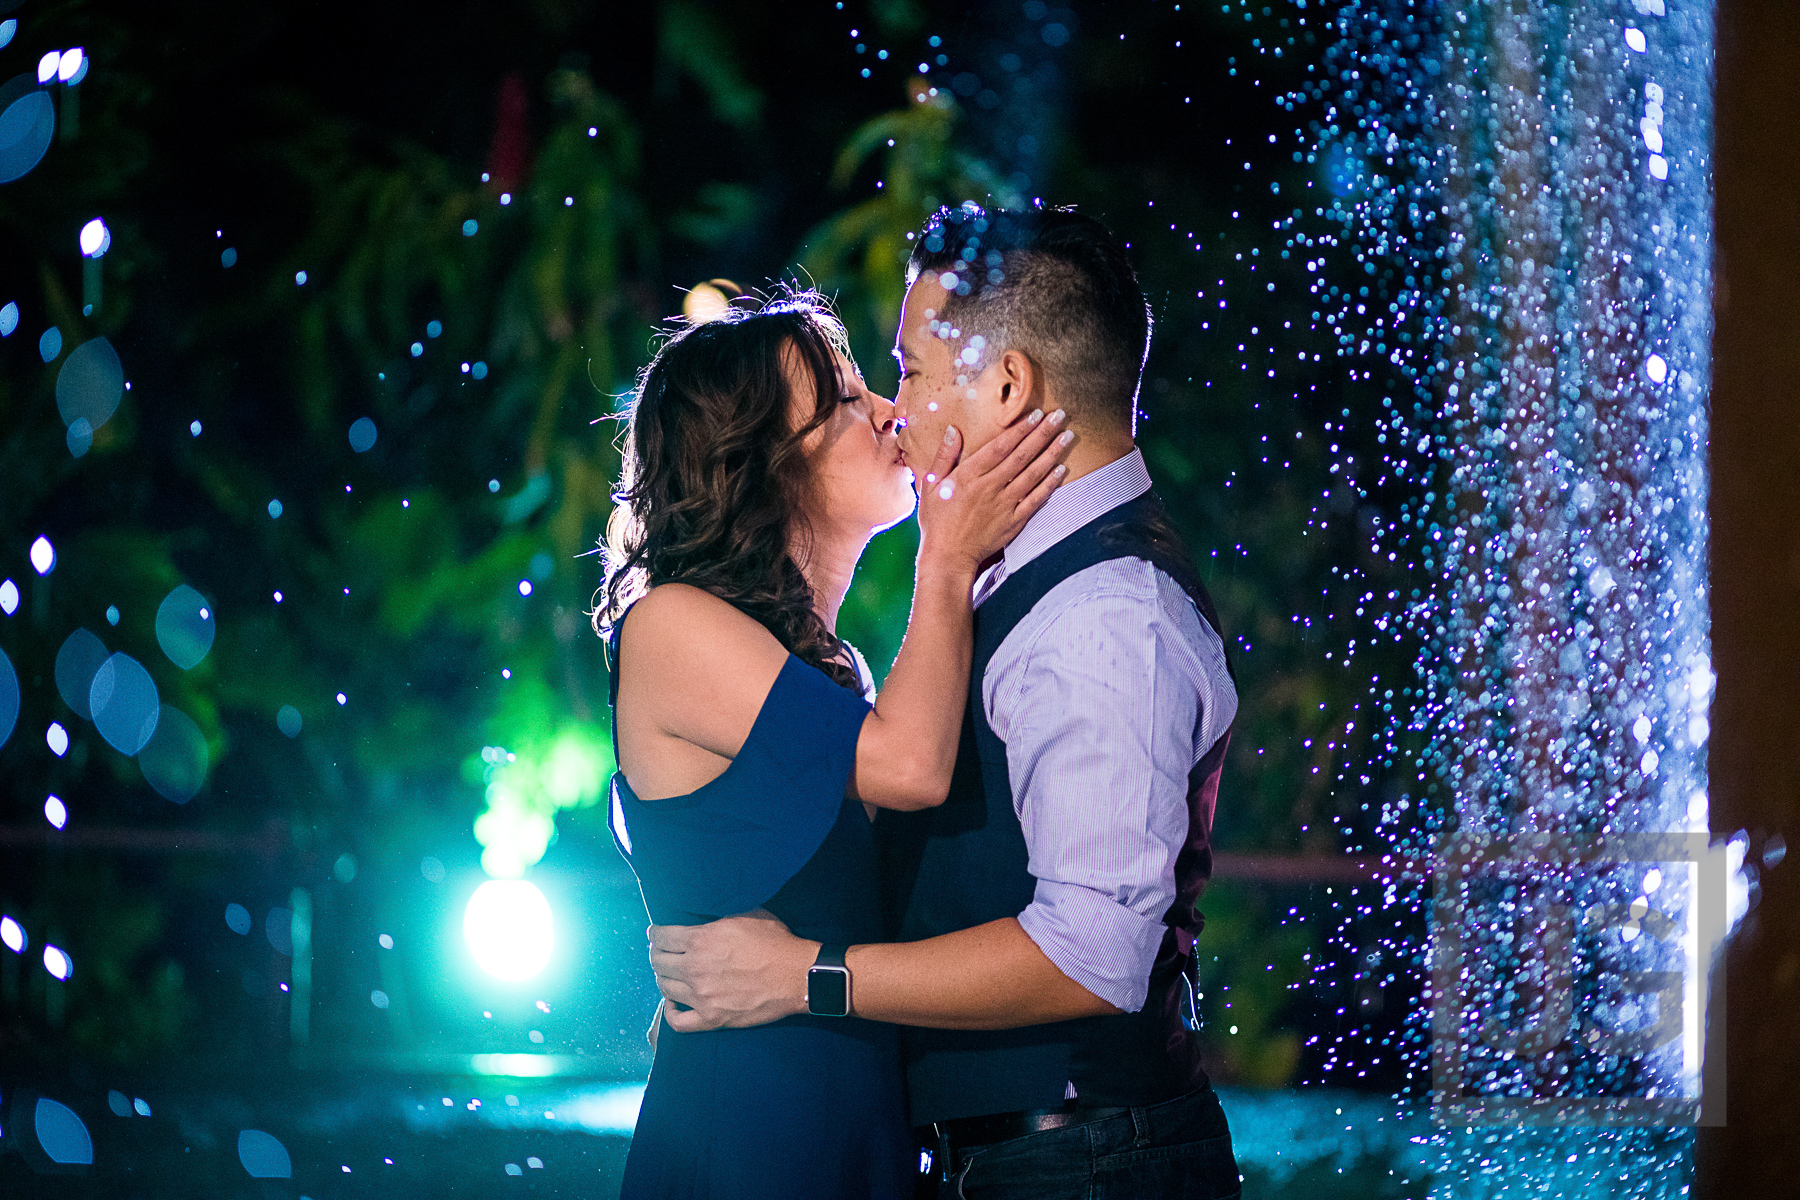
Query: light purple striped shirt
[1106, 695]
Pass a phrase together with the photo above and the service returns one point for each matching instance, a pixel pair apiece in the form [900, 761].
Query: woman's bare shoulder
[673, 615]
[701, 658]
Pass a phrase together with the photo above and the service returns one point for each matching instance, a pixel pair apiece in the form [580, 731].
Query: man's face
[938, 388]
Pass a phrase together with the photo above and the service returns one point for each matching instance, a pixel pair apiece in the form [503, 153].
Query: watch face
[828, 992]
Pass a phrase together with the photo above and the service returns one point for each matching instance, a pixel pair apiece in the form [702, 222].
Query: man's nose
[884, 415]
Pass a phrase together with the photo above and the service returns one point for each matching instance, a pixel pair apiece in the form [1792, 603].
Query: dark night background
[740, 141]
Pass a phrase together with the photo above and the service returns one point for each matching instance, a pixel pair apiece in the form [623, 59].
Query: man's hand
[730, 973]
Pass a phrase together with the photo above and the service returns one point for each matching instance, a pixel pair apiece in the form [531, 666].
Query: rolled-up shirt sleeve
[1100, 713]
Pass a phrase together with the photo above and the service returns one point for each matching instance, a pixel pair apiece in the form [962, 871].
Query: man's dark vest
[964, 864]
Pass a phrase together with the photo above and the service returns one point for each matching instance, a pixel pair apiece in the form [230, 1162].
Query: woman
[757, 467]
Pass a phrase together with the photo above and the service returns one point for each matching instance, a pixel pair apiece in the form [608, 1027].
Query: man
[1045, 912]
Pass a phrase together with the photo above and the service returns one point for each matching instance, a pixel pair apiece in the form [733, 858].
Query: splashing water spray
[1535, 178]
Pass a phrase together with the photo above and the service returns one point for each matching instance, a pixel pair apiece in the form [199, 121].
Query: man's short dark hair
[1051, 283]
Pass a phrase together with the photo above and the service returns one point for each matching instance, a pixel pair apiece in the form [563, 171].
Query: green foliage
[859, 255]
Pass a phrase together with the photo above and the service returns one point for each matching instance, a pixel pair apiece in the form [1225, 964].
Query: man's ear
[1020, 383]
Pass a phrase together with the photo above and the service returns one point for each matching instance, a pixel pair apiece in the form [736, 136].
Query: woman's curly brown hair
[715, 484]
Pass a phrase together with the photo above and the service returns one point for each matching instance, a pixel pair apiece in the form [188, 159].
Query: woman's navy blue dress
[806, 1108]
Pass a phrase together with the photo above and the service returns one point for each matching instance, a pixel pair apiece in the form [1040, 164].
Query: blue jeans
[1178, 1149]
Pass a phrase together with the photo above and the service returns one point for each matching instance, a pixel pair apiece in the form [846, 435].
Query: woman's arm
[968, 512]
[694, 670]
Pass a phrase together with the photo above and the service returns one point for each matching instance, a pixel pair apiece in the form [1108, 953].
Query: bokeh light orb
[509, 929]
[57, 962]
[9, 697]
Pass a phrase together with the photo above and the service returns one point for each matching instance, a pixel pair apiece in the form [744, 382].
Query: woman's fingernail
[949, 434]
[1060, 471]
[1067, 436]
[1059, 416]
[1037, 414]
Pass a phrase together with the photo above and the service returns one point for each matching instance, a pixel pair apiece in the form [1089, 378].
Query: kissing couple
[936, 941]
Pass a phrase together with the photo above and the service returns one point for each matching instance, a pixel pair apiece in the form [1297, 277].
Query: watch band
[828, 983]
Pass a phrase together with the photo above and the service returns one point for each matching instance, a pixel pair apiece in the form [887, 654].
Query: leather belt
[969, 1133]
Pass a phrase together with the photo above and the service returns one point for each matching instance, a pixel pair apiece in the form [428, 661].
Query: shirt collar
[1075, 504]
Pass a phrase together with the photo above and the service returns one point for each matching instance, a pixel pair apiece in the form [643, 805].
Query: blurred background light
[8, 27]
[56, 812]
[9, 697]
[57, 738]
[12, 934]
[79, 660]
[50, 344]
[90, 383]
[57, 962]
[43, 555]
[125, 704]
[96, 238]
[69, 64]
[185, 626]
[509, 929]
[175, 759]
[9, 318]
[62, 1135]
[9, 597]
[263, 1155]
[237, 918]
[47, 66]
[362, 433]
[27, 124]
[288, 720]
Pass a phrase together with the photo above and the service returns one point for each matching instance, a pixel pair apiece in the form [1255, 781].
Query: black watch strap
[828, 983]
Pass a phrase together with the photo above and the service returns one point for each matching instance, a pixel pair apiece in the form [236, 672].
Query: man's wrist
[806, 952]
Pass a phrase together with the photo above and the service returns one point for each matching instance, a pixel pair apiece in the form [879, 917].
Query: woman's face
[859, 480]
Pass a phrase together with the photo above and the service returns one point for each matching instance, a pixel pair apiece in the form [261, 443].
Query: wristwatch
[828, 984]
